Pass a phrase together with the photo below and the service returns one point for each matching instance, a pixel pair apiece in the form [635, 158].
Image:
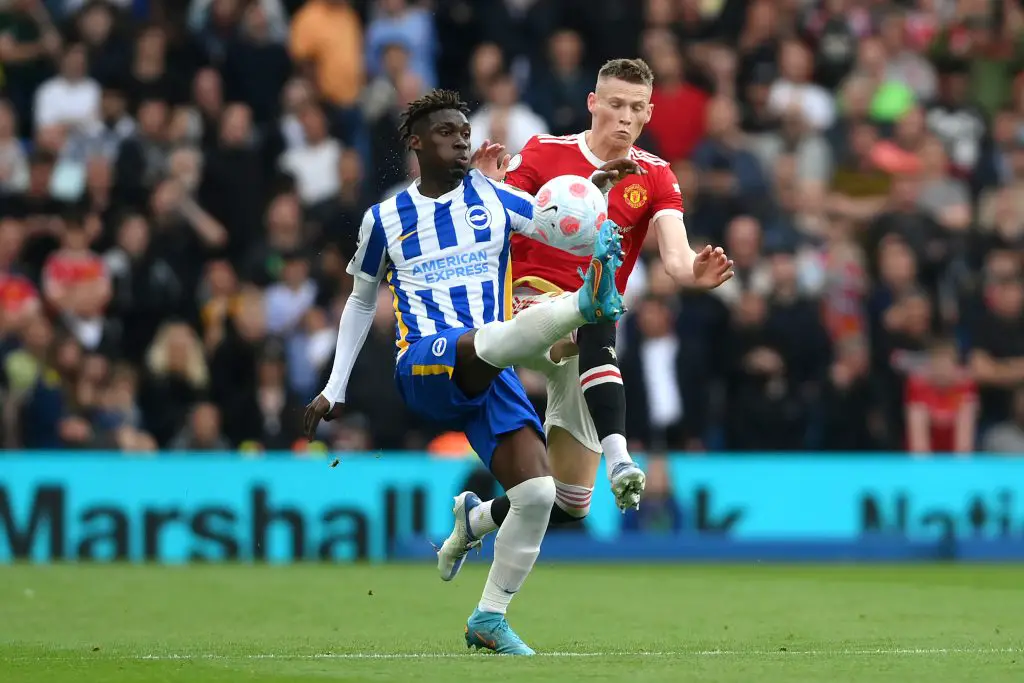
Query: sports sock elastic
[517, 544]
[533, 331]
[602, 388]
[572, 501]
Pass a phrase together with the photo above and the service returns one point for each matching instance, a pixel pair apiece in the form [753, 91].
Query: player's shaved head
[620, 105]
[635, 71]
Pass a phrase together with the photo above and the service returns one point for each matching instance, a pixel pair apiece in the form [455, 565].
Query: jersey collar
[581, 140]
[414, 190]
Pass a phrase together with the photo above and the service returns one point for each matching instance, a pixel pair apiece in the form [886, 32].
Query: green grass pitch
[639, 624]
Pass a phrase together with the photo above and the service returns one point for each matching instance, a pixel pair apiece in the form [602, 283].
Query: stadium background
[182, 184]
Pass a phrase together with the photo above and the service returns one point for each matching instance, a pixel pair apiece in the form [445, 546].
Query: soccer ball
[568, 212]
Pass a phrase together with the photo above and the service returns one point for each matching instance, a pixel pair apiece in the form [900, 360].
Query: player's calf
[605, 395]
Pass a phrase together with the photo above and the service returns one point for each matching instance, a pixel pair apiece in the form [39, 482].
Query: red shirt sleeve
[665, 188]
[524, 169]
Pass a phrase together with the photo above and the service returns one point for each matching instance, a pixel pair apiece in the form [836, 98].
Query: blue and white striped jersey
[446, 260]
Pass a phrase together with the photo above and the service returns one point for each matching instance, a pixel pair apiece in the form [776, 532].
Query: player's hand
[491, 160]
[614, 171]
[318, 409]
[711, 268]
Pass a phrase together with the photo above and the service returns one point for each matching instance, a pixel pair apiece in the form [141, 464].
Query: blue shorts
[424, 377]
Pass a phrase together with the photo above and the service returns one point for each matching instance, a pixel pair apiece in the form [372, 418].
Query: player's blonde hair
[629, 70]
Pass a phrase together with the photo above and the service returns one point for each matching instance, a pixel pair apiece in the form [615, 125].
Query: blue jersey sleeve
[518, 205]
[370, 259]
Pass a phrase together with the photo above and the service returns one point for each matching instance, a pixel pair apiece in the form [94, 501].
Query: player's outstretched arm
[704, 270]
[367, 268]
[356, 319]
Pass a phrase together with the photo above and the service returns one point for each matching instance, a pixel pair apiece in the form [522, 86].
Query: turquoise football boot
[599, 299]
[490, 631]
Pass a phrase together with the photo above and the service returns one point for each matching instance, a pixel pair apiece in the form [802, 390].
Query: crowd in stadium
[181, 185]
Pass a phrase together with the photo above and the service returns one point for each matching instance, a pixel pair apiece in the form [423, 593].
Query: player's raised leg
[601, 383]
[529, 334]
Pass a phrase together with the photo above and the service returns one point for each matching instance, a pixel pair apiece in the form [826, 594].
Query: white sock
[517, 544]
[480, 521]
[529, 334]
[615, 451]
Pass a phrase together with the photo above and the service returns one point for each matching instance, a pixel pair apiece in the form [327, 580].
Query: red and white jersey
[634, 203]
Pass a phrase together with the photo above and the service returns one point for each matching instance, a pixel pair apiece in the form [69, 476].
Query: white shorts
[567, 408]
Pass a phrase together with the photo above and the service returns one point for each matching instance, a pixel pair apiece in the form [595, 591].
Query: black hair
[435, 100]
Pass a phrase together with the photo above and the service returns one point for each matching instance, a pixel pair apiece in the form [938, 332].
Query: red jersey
[16, 292]
[633, 204]
[943, 404]
[71, 269]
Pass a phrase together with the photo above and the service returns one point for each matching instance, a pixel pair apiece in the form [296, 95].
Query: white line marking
[878, 652]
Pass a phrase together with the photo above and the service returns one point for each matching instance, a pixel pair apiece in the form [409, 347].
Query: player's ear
[650, 113]
[415, 144]
[591, 102]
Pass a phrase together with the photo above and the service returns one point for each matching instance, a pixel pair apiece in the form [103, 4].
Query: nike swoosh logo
[402, 238]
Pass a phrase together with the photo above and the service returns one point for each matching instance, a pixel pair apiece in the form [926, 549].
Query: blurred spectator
[150, 76]
[398, 22]
[201, 12]
[202, 432]
[256, 66]
[730, 177]
[905, 65]
[1008, 436]
[288, 301]
[811, 154]
[28, 41]
[794, 88]
[71, 98]
[850, 416]
[960, 125]
[107, 52]
[559, 93]
[315, 164]
[678, 122]
[997, 359]
[941, 404]
[503, 118]
[658, 370]
[832, 28]
[146, 290]
[765, 412]
[233, 184]
[176, 379]
[327, 44]
[142, 158]
[76, 284]
[279, 408]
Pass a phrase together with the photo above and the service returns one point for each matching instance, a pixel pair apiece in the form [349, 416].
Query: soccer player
[586, 400]
[443, 246]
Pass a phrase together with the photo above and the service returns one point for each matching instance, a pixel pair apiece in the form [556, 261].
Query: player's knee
[534, 497]
[572, 500]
